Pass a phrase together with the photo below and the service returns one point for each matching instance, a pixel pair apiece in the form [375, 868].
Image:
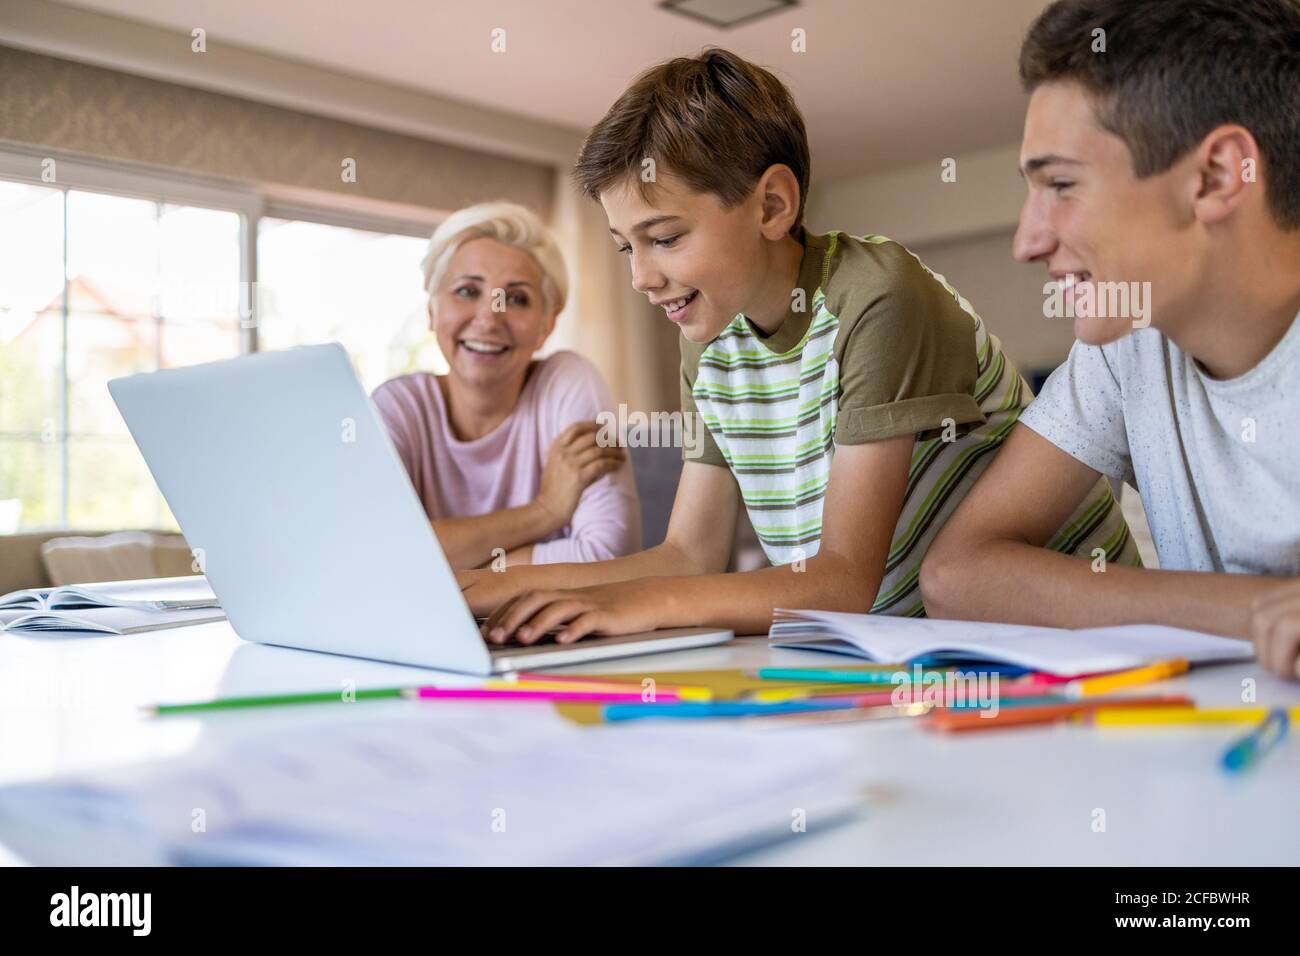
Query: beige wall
[916, 204]
[91, 111]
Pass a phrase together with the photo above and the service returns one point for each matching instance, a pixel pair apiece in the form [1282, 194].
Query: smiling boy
[851, 397]
[1171, 160]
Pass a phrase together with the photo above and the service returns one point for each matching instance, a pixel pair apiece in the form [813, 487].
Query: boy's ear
[1227, 166]
[778, 192]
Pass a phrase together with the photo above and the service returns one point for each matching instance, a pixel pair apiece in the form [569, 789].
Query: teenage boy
[851, 397]
[1167, 163]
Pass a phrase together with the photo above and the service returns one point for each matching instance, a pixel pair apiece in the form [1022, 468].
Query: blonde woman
[502, 449]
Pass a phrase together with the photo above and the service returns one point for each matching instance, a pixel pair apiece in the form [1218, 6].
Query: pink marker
[478, 693]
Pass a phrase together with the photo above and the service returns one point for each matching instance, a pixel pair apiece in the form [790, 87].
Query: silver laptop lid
[285, 482]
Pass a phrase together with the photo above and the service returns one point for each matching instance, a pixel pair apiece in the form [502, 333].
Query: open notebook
[111, 607]
[104, 620]
[147, 594]
[1051, 650]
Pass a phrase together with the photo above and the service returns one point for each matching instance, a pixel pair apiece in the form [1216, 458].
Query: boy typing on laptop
[851, 397]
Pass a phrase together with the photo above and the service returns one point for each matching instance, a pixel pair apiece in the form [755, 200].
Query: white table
[1027, 796]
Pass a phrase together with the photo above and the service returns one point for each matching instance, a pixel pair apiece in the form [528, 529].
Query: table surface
[1017, 796]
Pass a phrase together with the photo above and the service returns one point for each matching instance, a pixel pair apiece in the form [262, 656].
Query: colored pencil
[1105, 683]
[965, 719]
[1184, 716]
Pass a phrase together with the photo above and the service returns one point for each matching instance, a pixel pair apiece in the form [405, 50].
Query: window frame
[23, 164]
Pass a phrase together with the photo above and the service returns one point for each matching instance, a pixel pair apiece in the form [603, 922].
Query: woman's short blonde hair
[510, 224]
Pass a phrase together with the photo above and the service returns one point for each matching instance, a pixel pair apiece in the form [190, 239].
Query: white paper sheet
[469, 785]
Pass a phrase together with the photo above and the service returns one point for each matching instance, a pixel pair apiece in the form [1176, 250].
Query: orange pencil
[971, 719]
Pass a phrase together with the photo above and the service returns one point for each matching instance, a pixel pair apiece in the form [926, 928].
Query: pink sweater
[503, 469]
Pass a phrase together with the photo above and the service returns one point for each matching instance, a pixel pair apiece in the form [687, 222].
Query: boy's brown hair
[1173, 70]
[716, 121]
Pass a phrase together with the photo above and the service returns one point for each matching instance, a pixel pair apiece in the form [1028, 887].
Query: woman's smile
[481, 348]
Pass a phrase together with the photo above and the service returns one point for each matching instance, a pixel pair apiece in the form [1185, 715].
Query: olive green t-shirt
[874, 346]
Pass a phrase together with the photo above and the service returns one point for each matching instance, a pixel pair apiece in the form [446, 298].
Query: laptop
[289, 491]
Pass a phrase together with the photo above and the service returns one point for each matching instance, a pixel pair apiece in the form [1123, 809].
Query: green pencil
[319, 697]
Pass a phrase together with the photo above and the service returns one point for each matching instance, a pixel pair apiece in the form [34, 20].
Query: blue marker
[1245, 753]
[722, 708]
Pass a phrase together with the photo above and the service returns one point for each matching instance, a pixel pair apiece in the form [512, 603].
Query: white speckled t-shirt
[1217, 461]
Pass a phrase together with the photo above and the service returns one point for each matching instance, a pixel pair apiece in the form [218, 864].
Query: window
[99, 286]
[31, 349]
[106, 273]
[325, 283]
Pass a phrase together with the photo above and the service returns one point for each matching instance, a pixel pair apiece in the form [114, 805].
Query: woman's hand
[1275, 630]
[573, 462]
[622, 608]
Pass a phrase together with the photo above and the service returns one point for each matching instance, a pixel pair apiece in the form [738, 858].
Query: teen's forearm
[1018, 582]
[470, 542]
[658, 561]
[743, 602]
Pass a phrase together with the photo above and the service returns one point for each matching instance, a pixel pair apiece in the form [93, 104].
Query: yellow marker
[812, 692]
[1092, 686]
[588, 686]
[1171, 716]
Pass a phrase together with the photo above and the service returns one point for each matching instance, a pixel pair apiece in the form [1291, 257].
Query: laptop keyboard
[548, 638]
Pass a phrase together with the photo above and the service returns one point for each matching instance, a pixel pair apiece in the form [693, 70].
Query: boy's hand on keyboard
[485, 590]
[606, 609]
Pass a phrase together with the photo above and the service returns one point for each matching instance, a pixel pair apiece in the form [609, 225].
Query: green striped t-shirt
[875, 345]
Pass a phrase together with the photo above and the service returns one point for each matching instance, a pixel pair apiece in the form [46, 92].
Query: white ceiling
[883, 84]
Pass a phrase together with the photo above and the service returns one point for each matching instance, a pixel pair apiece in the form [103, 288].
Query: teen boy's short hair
[716, 121]
[1173, 70]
